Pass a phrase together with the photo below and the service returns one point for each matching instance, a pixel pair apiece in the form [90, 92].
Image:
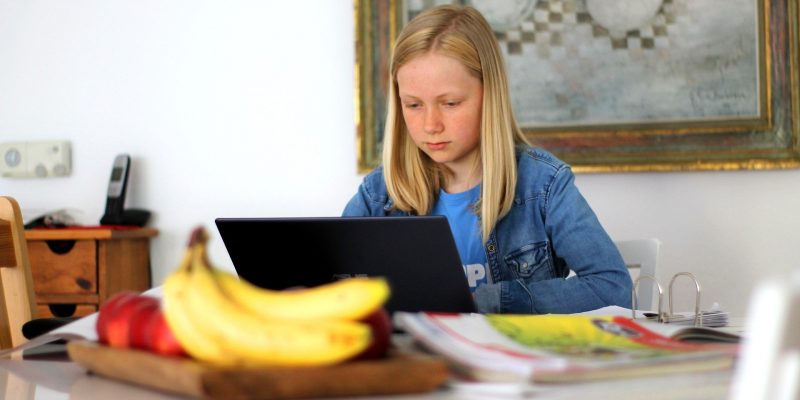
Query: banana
[181, 322]
[225, 333]
[348, 299]
[254, 340]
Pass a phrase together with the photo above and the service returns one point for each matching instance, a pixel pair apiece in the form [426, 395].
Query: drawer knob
[83, 283]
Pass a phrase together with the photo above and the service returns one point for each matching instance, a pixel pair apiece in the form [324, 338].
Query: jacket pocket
[531, 262]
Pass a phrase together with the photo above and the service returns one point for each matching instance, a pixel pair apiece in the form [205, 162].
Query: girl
[452, 147]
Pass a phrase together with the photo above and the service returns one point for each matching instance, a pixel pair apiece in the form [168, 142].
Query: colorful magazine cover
[557, 348]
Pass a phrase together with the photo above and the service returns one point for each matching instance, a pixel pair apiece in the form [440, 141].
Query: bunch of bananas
[225, 321]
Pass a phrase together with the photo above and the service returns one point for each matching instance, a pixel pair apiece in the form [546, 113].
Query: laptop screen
[416, 254]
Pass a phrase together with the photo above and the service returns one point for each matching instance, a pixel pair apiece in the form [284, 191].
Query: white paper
[615, 311]
[80, 329]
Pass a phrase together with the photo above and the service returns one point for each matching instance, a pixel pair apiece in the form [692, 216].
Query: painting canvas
[625, 85]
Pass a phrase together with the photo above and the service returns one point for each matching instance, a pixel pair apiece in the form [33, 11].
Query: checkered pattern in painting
[563, 28]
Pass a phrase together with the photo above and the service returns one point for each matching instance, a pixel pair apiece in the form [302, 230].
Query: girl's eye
[451, 103]
[412, 105]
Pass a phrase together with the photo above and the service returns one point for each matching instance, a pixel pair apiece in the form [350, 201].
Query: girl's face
[441, 103]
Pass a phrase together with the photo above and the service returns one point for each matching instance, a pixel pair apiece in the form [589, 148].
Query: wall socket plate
[35, 159]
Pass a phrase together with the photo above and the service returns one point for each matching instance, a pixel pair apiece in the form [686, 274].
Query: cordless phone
[115, 213]
[117, 188]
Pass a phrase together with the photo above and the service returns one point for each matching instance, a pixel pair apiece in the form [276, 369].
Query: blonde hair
[413, 180]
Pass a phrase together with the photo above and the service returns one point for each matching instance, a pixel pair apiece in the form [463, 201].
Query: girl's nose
[433, 121]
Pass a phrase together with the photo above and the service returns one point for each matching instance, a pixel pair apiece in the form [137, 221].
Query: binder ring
[698, 317]
[634, 300]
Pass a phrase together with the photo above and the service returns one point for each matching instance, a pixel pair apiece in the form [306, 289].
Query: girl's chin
[441, 158]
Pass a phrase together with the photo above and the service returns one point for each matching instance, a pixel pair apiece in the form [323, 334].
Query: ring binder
[666, 317]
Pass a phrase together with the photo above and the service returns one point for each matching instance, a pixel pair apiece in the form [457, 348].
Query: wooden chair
[17, 301]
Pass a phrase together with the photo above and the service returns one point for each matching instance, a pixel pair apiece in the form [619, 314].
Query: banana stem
[197, 247]
[198, 236]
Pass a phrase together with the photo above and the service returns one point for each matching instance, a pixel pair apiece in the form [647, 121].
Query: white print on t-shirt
[476, 273]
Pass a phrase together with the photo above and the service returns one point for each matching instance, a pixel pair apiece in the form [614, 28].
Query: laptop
[417, 255]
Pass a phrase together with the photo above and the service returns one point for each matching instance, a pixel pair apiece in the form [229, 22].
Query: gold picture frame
[766, 135]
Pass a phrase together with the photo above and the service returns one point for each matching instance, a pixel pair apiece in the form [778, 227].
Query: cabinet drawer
[64, 266]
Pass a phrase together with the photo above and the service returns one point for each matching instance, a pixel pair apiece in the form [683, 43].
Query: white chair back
[641, 258]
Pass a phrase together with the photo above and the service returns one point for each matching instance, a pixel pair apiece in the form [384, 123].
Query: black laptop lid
[416, 254]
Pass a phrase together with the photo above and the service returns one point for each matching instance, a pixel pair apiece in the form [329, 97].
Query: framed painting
[623, 85]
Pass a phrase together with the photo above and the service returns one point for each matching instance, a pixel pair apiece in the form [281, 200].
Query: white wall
[245, 108]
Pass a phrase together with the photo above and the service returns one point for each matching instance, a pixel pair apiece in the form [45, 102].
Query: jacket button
[491, 248]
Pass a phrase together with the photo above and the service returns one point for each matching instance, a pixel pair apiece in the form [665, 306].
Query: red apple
[119, 323]
[381, 325]
[141, 314]
[108, 309]
[159, 337]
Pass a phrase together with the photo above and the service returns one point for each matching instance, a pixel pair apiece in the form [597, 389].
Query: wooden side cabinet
[76, 270]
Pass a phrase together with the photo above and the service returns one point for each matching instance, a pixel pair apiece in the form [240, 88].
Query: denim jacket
[549, 231]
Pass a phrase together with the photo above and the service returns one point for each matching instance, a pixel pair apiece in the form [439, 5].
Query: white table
[61, 379]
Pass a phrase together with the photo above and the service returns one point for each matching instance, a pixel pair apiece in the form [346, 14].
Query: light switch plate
[35, 159]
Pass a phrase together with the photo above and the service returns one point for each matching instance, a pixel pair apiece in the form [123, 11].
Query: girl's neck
[461, 181]
[464, 173]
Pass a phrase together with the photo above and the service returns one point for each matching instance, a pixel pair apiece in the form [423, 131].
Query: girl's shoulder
[375, 185]
[538, 170]
[536, 160]
[374, 176]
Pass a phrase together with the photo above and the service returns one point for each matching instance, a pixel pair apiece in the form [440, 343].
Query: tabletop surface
[47, 374]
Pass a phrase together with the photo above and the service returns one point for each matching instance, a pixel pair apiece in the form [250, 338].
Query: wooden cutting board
[397, 374]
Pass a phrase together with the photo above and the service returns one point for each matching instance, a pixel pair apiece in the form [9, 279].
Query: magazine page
[475, 349]
[675, 330]
[691, 333]
[547, 348]
[80, 329]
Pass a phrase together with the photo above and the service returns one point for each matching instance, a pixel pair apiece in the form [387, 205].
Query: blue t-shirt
[458, 208]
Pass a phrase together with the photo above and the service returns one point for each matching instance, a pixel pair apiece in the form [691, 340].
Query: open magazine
[557, 348]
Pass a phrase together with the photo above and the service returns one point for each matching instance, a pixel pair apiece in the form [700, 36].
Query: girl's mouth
[436, 146]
